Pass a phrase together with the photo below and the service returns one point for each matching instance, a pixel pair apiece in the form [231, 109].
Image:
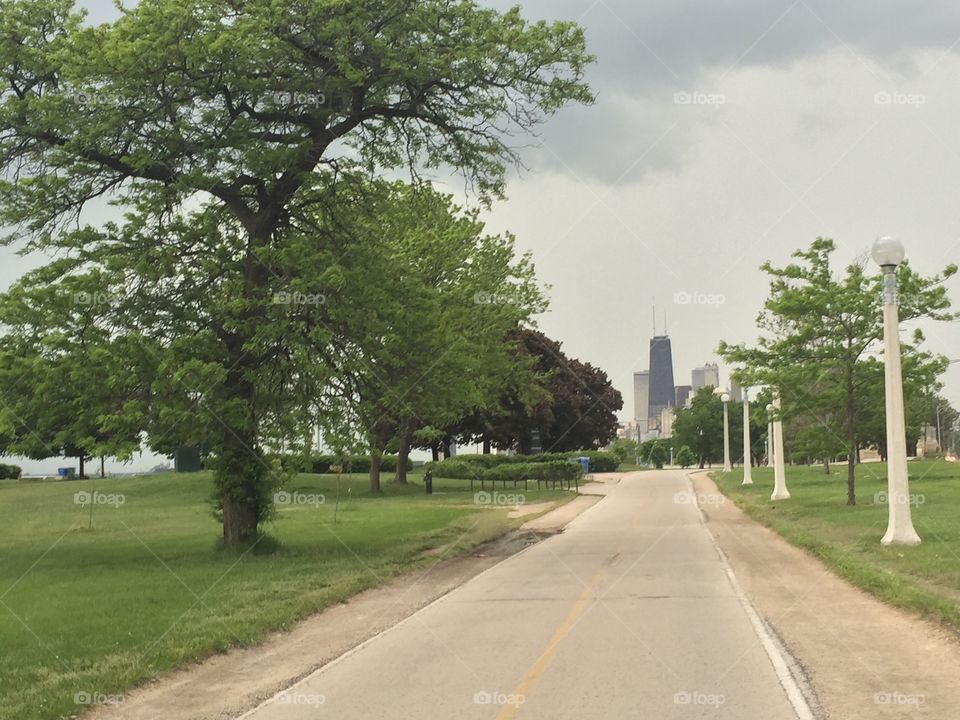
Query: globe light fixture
[888, 252]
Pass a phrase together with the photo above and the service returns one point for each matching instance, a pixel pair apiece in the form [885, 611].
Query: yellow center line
[508, 712]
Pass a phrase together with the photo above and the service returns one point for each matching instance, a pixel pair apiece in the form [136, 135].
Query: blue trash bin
[584, 464]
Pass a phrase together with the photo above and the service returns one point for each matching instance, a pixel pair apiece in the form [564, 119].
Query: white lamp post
[888, 254]
[780, 491]
[747, 469]
[725, 398]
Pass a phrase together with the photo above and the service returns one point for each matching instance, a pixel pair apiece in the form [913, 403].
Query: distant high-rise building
[705, 375]
[661, 394]
[682, 394]
[641, 395]
[736, 392]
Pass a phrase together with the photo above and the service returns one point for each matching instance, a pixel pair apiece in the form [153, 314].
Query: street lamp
[769, 435]
[747, 469]
[725, 398]
[700, 452]
[888, 254]
[780, 491]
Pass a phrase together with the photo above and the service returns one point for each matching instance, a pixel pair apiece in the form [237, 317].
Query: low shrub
[488, 460]
[10, 472]
[600, 461]
[556, 470]
[552, 470]
[685, 457]
[455, 470]
[323, 464]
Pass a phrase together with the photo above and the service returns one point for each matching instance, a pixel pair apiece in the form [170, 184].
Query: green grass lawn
[630, 467]
[925, 578]
[99, 610]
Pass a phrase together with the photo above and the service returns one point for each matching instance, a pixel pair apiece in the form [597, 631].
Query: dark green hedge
[547, 470]
[456, 469]
[321, 464]
[10, 472]
[600, 461]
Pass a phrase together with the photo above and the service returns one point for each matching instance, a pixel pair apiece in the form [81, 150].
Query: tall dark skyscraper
[661, 393]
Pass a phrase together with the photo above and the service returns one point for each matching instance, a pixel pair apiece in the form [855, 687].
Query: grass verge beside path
[87, 613]
[925, 578]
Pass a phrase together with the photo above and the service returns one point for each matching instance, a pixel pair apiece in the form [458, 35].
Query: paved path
[630, 613]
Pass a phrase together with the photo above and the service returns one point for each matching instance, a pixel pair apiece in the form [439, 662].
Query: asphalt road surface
[632, 613]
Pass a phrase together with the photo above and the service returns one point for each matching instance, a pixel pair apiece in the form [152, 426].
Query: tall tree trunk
[446, 448]
[102, 473]
[851, 441]
[240, 474]
[403, 453]
[82, 458]
[375, 456]
[378, 446]
[435, 451]
[239, 521]
[826, 466]
[486, 445]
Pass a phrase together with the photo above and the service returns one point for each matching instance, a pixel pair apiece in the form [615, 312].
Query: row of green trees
[262, 279]
[697, 437]
[821, 352]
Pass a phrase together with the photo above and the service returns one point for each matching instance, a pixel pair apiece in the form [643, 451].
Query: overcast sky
[726, 134]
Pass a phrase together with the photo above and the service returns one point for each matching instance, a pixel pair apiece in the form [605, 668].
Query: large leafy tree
[430, 341]
[220, 125]
[572, 405]
[700, 427]
[818, 328]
